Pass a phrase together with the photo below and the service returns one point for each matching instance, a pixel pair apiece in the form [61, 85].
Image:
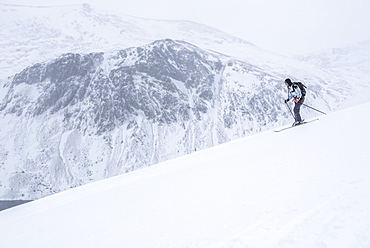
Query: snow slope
[305, 187]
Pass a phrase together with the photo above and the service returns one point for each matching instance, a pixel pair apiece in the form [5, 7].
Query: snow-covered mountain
[305, 187]
[81, 118]
[351, 63]
[354, 56]
[29, 34]
[97, 104]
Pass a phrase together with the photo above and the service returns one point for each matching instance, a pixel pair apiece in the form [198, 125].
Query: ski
[285, 128]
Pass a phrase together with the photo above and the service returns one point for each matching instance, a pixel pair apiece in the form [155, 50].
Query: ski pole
[290, 110]
[314, 109]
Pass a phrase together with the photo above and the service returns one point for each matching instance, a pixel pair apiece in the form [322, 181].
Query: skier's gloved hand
[297, 100]
[286, 100]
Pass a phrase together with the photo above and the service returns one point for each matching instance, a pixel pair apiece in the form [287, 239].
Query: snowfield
[308, 186]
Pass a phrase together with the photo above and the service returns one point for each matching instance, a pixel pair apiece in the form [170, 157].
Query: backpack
[301, 87]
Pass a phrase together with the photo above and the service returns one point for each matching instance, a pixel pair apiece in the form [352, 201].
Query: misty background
[287, 27]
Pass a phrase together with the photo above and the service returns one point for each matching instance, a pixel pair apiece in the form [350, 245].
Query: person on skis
[297, 94]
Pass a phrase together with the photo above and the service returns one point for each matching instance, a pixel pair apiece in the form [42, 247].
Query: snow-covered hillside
[308, 186]
[77, 105]
[29, 34]
[351, 63]
[140, 106]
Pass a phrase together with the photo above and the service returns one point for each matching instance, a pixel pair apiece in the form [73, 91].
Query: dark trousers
[297, 108]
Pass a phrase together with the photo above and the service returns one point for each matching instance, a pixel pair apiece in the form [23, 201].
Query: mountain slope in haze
[84, 117]
[32, 34]
[352, 56]
[304, 187]
[351, 63]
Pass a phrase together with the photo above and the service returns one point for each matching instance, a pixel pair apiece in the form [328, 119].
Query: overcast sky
[287, 27]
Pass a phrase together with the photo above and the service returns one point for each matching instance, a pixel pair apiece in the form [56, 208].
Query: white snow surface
[308, 186]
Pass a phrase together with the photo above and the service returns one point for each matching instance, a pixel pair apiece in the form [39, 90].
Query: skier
[297, 93]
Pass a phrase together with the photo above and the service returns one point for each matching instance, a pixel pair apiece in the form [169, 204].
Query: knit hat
[288, 81]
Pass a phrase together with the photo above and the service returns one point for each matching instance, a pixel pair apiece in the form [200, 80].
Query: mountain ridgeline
[84, 117]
